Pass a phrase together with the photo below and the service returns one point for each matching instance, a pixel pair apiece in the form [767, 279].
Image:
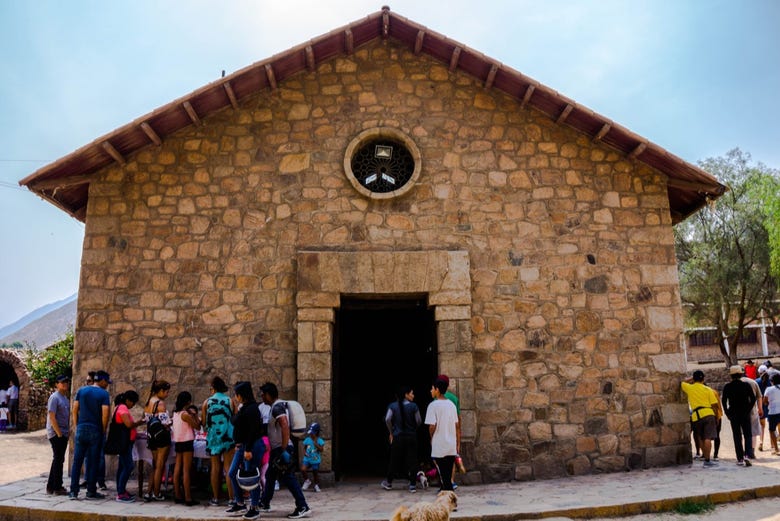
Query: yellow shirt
[699, 395]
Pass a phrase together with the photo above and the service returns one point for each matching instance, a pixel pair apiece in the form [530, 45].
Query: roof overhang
[65, 182]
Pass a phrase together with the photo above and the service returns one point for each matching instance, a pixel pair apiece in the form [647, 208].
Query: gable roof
[65, 182]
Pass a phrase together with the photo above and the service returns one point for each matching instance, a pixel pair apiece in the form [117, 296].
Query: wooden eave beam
[349, 42]
[704, 188]
[113, 152]
[602, 132]
[637, 150]
[527, 96]
[491, 77]
[231, 94]
[385, 22]
[454, 58]
[191, 112]
[418, 42]
[63, 182]
[565, 113]
[269, 73]
[150, 133]
[310, 63]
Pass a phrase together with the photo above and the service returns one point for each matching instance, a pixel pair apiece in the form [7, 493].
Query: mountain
[44, 326]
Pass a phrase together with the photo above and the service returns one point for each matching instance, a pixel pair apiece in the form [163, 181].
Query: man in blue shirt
[90, 416]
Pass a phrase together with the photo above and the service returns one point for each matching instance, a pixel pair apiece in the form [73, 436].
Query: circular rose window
[382, 163]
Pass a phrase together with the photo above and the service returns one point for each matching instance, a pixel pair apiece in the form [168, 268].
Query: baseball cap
[102, 375]
[62, 378]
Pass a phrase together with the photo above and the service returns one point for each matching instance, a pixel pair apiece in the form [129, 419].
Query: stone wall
[573, 328]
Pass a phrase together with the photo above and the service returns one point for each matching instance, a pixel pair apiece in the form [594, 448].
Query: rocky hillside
[44, 331]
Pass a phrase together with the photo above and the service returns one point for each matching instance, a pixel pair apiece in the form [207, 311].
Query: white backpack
[296, 417]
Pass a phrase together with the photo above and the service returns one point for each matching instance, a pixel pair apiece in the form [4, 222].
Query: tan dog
[446, 502]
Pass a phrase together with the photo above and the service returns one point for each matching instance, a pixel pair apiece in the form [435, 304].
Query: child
[185, 421]
[3, 416]
[312, 456]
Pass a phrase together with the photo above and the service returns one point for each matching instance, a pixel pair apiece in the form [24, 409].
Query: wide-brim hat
[735, 369]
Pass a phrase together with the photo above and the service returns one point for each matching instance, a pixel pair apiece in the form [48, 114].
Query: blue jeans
[88, 445]
[123, 469]
[258, 449]
[286, 478]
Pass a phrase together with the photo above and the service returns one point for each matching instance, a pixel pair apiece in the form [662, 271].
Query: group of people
[241, 434]
[751, 402]
[443, 420]
[9, 406]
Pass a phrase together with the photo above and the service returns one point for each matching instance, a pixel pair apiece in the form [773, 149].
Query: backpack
[158, 435]
[296, 417]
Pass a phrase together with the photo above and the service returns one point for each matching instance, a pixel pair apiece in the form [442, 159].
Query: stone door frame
[324, 276]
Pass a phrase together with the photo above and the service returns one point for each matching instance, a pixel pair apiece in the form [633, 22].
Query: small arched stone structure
[12, 359]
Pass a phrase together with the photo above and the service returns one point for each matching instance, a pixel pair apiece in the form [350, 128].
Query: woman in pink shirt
[185, 421]
[124, 402]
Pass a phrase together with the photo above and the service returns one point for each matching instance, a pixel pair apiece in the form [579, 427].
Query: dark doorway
[378, 345]
[7, 375]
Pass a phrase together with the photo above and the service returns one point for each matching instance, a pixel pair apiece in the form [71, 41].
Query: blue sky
[696, 77]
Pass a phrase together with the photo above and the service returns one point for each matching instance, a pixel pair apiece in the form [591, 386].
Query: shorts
[774, 420]
[184, 446]
[307, 463]
[706, 428]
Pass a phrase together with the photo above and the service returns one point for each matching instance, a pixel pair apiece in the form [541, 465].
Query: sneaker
[264, 508]
[698, 456]
[276, 486]
[299, 513]
[236, 509]
[386, 485]
[708, 463]
[148, 497]
[252, 513]
[96, 495]
[72, 495]
[306, 485]
[316, 488]
[715, 458]
[213, 502]
[125, 498]
[747, 463]
[454, 486]
[412, 489]
[159, 497]
[102, 486]
[741, 463]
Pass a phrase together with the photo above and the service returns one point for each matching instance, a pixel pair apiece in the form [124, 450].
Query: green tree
[46, 365]
[767, 194]
[723, 254]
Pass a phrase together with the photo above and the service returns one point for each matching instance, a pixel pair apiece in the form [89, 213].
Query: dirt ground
[24, 455]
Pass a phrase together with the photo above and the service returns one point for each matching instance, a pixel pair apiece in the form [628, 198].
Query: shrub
[46, 365]
[689, 507]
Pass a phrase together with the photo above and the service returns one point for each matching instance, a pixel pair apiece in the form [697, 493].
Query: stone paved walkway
[592, 496]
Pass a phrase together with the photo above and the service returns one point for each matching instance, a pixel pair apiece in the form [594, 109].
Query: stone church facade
[543, 257]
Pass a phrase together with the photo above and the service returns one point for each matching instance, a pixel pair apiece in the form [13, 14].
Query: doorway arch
[441, 278]
[12, 367]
